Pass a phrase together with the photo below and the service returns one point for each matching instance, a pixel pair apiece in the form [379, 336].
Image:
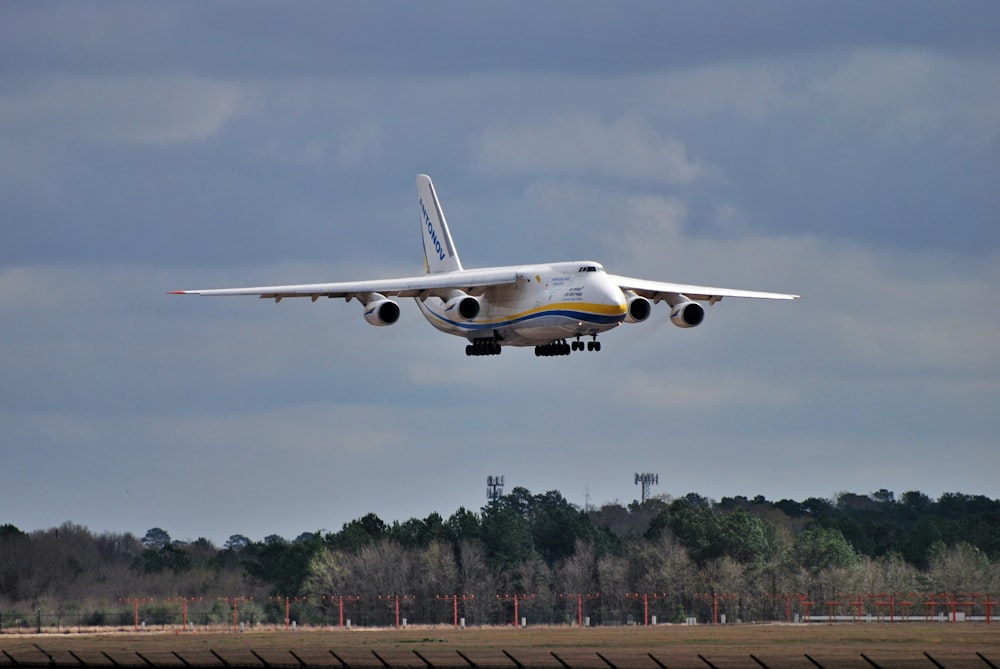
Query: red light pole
[288, 607]
[880, 603]
[405, 598]
[185, 600]
[805, 603]
[235, 601]
[905, 603]
[929, 606]
[646, 596]
[579, 605]
[135, 601]
[715, 603]
[340, 600]
[832, 607]
[788, 604]
[454, 600]
[516, 598]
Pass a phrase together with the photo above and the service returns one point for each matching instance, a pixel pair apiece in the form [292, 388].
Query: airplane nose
[610, 297]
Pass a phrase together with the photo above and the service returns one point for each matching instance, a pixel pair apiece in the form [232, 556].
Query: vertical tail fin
[439, 251]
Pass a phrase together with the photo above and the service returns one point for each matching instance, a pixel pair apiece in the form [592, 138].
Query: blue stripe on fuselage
[569, 314]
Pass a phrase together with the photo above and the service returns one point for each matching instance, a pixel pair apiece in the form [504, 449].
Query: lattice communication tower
[647, 480]
[494, 487]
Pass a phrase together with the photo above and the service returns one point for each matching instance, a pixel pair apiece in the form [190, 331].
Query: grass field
[954, 646]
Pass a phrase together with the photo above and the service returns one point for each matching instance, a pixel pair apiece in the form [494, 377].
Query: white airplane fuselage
[548, 302]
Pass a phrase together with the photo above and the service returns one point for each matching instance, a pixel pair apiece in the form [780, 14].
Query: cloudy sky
[847, 151]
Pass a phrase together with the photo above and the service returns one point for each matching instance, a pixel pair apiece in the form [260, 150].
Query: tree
[236, 543]
[328, 573]
[359, 533]
[745, 537]
[156, 538]
[884, 496]
[556, 525]
[696, 527]
[474, 578]
[463, 525]
[961, 568]
[819, 548]
[506, 535]
[578, 573]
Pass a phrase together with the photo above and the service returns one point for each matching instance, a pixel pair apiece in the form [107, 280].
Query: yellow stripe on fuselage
[584, 307]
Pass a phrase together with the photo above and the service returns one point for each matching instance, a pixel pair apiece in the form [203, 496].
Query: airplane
[551, 306]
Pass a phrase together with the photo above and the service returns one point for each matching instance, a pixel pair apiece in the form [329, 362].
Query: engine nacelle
[382, 312]
[687, 314]
[462, 308]
[638, 309]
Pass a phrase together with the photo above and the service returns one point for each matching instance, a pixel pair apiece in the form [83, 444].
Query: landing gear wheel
[483, 347]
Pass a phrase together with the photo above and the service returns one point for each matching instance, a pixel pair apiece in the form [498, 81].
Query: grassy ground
[953, 646]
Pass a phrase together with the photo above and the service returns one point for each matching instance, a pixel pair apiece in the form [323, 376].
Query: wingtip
[176, 292]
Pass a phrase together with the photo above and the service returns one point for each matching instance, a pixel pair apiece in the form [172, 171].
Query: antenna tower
[494, 487]
[647, 480]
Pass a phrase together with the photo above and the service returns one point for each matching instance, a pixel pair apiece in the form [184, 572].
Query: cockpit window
[590, 268]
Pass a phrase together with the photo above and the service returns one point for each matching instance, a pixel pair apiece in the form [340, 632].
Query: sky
[848, 152]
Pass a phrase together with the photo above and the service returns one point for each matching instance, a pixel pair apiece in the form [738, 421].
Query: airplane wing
[660, 290]
[473, 282]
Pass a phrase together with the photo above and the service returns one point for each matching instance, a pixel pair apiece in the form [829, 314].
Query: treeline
[749, 553]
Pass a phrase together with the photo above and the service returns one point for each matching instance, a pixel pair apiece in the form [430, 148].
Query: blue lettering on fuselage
[431, 231]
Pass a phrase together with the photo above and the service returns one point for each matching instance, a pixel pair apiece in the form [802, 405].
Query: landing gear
[483, 347]
[555, 348]
[562, 348]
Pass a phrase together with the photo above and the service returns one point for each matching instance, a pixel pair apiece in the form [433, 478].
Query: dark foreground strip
[514, 660]
[462, 655]
[607, 661]
[818, 664]
[870, 661]
[41, 650]
[936, 663]
[658, 663]
[50, 661]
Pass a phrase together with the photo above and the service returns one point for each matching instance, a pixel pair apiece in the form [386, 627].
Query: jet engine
[687, 314]
[638, 308]
[382, 312]
[462, 307]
